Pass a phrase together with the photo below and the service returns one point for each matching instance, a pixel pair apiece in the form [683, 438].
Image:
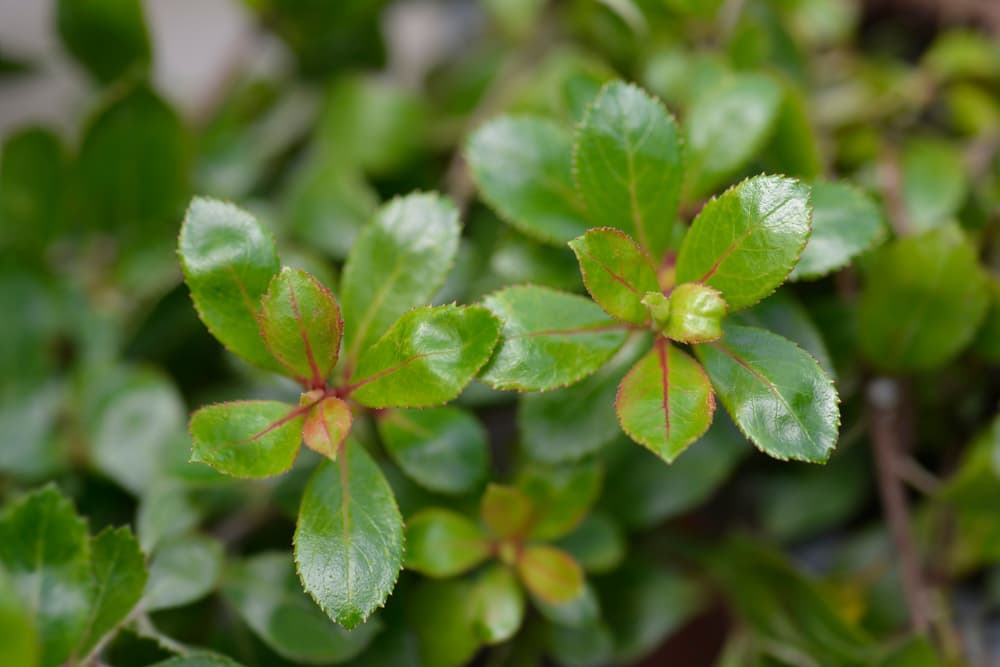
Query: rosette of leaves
[612, 191]
[386, 351]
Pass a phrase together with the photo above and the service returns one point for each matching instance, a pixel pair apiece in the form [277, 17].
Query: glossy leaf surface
[327, 426]
[617, 273]
[498, 603]
[247, 438]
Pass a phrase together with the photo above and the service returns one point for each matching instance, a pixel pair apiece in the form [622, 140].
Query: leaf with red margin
[327, 426]
[617, 273]
[550, 574]
[247, 438]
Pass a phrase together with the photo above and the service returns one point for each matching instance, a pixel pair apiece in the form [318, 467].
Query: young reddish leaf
[498, 604]
[247, 438]
[550, 574]
[745, 242]
[628, 165]
[776, 393]
[426, 358]
[301, 325]
[617, 272]
[665, 402]
[550, 338]
[507, 511]
[442, 543]
[327, 426]
[228, 261]
[349, 537]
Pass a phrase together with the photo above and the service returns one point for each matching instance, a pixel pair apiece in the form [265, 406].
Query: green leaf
[119, 575]
[665, 402]
[247, 438]
[550, 574]
[598, 543]
[782, 314]
[726, 125]
[183, 570]
[349, 537]
[435, 605]
[549, 339]
[301, 325]
[934, 182]
[398, 262]
[87, 27]
[745, 242]
[776, 393]
[507, 511]
[426, 358]
[582, 610]
[327, 426]
[441, 543]
[561, 496]
[845, 223]
[695, 313]
[923, 300]
[629, 166]
[442, 449]
[18, 636]
[46, 552]
[198, 660]
[521, 165]
[266, 593]
[33, 170]
[498, 604]
[228, 260]
[617, 273]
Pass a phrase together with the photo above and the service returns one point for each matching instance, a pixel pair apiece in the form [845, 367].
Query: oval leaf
[349, 537]
[182, 571]
[441, 543]
[666, 401]
[550, 339]
[746, 242]
[87, 28]
[507, 511]
[550, 574]
[247, 438]
[327, 426]
[628, 165]
[617, 273]
[426, 358]
[498, 604]
[777, 393]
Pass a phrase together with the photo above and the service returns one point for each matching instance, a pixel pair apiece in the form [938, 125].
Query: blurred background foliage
[318, 111]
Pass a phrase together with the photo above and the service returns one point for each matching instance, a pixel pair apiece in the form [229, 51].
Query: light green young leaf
[549, 339]
[301, 325]
[776, 393]
[617, 273]
[745, 242]
[441, 543]
[442, 449]
[266, 593]
[561, 495]
[934, 182]
[247, 438]
[87, 28]
[498, 604]
[923, 300]
[426, 358]
[629, 165]
[726, 125]
[349, 537]
[521, 165]
[398, 262]
[665, 402]
[507, 511]
[845, 223]
[550, 574]
[183, 570]
[327, 426]
[45, 551]
[18, 636]
[119, 575]
[228, 260]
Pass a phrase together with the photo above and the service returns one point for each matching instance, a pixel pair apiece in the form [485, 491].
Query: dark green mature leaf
[498, 604]
[845, 223]
[18, 636]
[183, 570]
[119, 574]
[934, 182]
[349, 537]
[443, 449]
[327, 426]
[247, 438]
[88, 27]
[301, 325]
[433, 605]
[441, 543]
[549, 339]
[561, 495]
[746, 242]
[507, 511]
[923, 300]
[666, 401]
[33, 169]
[726, 125]
[228, 260]
[46, 552]
[629, 166]
[777, 394]
[550, 574]
[782, 314]
[398, 262]
[521, 165]
[426, 358]
[617, 273]
[266, 593]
